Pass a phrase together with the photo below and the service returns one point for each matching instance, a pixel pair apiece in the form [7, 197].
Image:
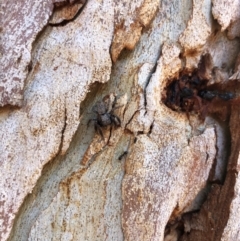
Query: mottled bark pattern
[160, 173]
[21, 22]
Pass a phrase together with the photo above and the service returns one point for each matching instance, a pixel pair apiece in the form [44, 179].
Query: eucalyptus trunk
[99, 139]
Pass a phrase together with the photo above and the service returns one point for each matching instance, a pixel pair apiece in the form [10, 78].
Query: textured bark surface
[21, 22]
[163, 174]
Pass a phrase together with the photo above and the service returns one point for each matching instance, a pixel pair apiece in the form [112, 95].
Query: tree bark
[89, 148]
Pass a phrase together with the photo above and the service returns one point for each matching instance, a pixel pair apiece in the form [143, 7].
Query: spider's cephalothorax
[105, 117]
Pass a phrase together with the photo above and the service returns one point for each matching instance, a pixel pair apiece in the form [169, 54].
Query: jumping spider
[105, 117]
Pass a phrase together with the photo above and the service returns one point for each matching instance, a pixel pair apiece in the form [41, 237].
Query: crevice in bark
[135, 113]
[223, 146]
[66, 21]
[124, 154]
[227, 191]
[63, 129]
[149, 78]
[7, 109]
[209, 222]
[150, 129]
[140, 133]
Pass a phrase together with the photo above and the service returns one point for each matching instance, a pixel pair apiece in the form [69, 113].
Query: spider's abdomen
[104, 120]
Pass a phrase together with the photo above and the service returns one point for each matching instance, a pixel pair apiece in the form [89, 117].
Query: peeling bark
[163, 174]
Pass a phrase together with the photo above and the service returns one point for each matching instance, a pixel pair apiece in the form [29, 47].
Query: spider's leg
[98, 129]
[116, 107]
[95, 120]
[116, 120]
